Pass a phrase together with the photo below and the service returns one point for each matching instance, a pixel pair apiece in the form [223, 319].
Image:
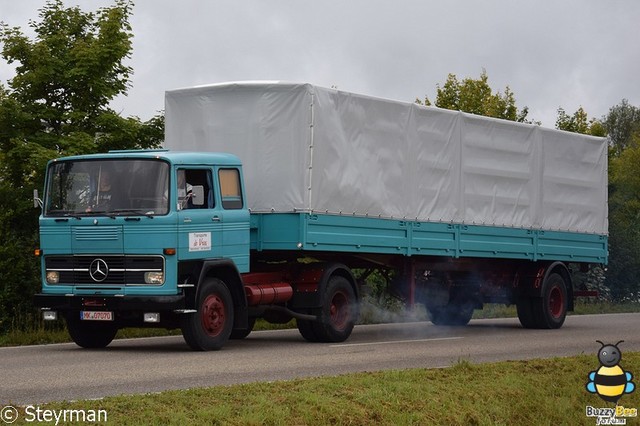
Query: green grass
[41, 333]
[537, 392]
[580, 308]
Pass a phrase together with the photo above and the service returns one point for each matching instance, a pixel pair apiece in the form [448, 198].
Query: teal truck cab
[319, 189]
[125, 238]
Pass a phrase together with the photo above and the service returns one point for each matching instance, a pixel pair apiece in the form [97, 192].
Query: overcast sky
[551, 53]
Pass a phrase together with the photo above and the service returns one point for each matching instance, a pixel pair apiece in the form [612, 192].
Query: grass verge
[45, 333]
[546, 392]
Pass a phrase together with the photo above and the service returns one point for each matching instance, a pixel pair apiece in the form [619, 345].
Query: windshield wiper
[134, 212]
[64, 213]
[107, 213]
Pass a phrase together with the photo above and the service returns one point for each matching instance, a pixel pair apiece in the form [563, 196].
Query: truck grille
[93, 269]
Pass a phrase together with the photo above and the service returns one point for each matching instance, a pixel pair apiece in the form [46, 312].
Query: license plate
[96, 316]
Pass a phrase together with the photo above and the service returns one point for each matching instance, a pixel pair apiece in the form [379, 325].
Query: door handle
[216, 219]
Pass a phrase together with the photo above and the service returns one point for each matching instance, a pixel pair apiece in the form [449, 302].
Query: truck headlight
[153, 277]
[53, 277]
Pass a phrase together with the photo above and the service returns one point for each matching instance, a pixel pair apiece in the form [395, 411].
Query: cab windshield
[107, 187]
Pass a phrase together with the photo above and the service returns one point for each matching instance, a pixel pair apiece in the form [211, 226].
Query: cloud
[570, 54]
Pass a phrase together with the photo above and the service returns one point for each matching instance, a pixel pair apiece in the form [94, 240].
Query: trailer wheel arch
[533, 289]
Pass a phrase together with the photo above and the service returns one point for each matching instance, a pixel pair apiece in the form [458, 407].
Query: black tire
[90, 334]
[339, 311]
[456, 314]
[525, 312]
[209, 328]
[550, 310]
[239, 333]
[306, 329]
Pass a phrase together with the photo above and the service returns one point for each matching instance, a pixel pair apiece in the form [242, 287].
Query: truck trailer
[277, 200]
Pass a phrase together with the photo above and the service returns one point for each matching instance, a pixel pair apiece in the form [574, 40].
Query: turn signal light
[37, 252]
[169, 251]
[49, 315]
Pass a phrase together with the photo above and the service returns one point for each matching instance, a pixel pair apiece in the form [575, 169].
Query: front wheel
[210, 327]
[90, 334]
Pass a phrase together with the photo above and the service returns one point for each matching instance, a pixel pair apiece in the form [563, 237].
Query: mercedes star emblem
[99, 270]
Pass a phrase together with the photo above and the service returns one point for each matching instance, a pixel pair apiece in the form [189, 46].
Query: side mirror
[197, 195]
[37, 202]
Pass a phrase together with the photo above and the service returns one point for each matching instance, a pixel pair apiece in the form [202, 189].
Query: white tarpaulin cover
[308, 148]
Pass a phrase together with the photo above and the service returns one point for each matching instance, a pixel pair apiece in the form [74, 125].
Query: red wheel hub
[213, 315]
[556, 302]
[339, 310]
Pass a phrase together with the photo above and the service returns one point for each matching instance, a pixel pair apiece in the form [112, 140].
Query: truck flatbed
[334, 233]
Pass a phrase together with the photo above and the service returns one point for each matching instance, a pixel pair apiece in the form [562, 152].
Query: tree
[624, 228]
[622, 122]
[579, 122]
[476, 97]
[624, 214]
[621, 279]
[58, 104]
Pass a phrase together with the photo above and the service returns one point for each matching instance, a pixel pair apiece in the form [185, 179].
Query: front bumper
[55, 302]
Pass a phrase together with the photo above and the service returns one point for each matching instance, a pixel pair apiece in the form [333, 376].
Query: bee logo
[610, 381]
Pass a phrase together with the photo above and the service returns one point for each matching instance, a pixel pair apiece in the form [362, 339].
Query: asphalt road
[37, 374]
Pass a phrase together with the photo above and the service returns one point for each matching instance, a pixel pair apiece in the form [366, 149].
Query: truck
[278, 200]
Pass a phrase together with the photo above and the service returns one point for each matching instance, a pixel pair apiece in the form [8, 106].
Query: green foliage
[475, 96]
[579, 122]
[381, 301]
[74, 67]
[18, 266]
[622, 127]
[624, 225]
[621, 124]
[57, 104]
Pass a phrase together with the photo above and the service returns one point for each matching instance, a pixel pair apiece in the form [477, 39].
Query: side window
[230, 190]
[188, 182]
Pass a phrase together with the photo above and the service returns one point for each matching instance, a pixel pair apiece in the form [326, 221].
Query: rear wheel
[210, 327]
[239, 334]
[305, 327]
[338, 314]
[525, 312]
[454, 313]
[90, 334]
[550, 309]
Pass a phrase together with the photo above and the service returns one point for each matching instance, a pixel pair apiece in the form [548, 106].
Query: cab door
[234, 216]
[199, 225]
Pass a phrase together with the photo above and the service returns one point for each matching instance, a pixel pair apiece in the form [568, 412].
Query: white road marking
[393, 341]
